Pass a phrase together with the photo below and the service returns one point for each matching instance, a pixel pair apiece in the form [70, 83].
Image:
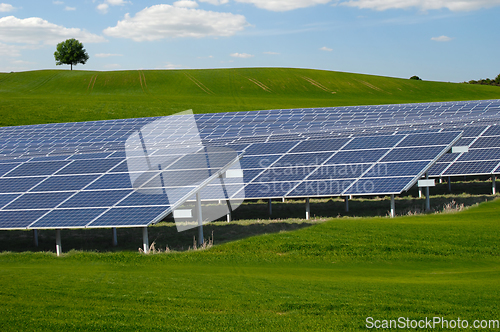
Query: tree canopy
[70, 52]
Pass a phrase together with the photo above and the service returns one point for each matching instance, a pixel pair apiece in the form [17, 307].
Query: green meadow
[327, 277]
[327, 274]
[49, 96]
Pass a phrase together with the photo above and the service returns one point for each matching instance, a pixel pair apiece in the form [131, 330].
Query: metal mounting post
[393, 207]
[308, 209]
[270, 207]
[427, 196]
[58, 242]
[449, 183]
[493, 185]
[145, 240]
[200, 219]
[346, 199]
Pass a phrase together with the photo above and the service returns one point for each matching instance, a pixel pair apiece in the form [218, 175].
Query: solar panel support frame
[196, 190]
[426, 169]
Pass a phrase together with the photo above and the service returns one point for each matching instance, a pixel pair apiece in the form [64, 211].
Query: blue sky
[441, 40]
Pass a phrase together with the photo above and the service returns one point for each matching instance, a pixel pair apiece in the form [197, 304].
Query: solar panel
[132, 172]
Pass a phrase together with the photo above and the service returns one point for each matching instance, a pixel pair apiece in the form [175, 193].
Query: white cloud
[5, 7]
[453, 5]
[241, 55]
[271, 53]
[274, 5]
[215, 2]
[58, 2]
[10, 50]
[166, 21]
[68, 8]
[186, 4]
[284, 5]
[441, 39]
[106, 55]
[327, 49]
[35, 30]
[117, 2]
[103, 8]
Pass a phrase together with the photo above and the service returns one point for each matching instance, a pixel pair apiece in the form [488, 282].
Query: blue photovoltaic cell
[357, 157]
[396, 169]
[4, 168]
[39, 200]
[492, 131]
[378, 186]
[68, 218]
[486, 142]
[11, 185]
[97, 155]
[142, 199]
[88, 166]
[471, 168]
[339, 172]
[7, 198]
[428, 140]
[320, 145]
[437, 169]
[258, 162]
[303, 159]
[448, 157]
[104, 198]
[332, 187]
[179, 178]
[263, 190]
[269, 148]
[360, 143]
[481, 154]
[472, 131]
[129, 216]
[285, 174]
[19, 219]
[37, 168]
[408, 154]
[116, 181]
[62, 183]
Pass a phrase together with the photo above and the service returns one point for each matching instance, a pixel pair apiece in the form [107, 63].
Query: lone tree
[70, 52]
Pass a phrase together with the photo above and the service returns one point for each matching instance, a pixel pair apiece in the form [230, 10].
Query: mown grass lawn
[330, 276]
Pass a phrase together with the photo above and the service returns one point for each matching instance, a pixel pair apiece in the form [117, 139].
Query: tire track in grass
[140, 80]
[259, 84]
[317, 84]
[92, 83]
[199, 84]
[371, 86]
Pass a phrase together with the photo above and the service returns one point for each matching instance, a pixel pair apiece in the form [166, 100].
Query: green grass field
[49, 96]
[328, 274]
[327, 277]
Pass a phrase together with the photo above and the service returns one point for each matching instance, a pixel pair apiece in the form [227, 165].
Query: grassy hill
[63, 96]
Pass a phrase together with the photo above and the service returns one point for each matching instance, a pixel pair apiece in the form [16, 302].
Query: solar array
[134, 172]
